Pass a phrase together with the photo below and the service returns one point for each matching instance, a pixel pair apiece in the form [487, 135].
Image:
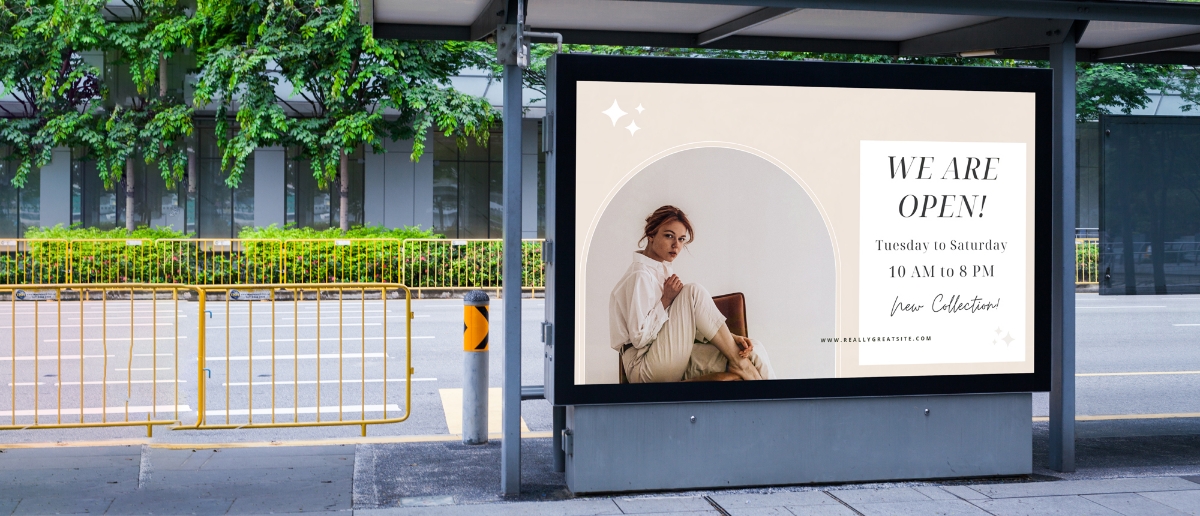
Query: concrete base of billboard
[614, 448]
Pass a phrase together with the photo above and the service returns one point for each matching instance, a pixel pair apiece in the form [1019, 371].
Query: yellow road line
[1116, 417]
[394, 439]
[1138, 373]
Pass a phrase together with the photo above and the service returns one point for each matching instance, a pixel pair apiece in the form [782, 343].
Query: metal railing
[424, 264]
[281, 382]
[80, 347]
[1087, 261]
[95, 355]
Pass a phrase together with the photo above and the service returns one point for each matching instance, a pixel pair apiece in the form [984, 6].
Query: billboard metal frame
[565, 71]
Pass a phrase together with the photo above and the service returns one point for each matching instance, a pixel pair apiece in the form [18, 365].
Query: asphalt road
[1136, 355]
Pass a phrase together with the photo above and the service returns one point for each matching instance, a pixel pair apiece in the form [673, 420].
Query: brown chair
[732, 306]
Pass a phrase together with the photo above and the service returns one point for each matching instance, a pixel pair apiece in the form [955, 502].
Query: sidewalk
[1125, 467]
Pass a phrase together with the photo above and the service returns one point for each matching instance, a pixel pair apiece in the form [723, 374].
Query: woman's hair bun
[664, 215]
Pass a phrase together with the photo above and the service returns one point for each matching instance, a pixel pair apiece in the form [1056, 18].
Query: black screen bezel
[569, 69]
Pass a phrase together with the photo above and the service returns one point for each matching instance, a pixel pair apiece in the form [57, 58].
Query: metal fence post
[475, 368]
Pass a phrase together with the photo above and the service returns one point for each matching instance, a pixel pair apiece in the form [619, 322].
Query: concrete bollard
[475, 368]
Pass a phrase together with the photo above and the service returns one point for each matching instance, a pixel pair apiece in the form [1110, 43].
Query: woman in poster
[667, 331]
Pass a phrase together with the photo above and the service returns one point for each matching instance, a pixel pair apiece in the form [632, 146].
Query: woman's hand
[744, 346]
[671, 288]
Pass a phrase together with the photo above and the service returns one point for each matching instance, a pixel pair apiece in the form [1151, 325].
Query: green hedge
[263, 255]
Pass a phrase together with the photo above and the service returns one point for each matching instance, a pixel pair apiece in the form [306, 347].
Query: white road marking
[52, 357]
[1185, 325]
[73, 327]
[123, 382]
[133, 409]
[298, 357]
[126, 316]
[1127, 306]
[117, 339]
[284, 383]
[327, 339]
[146, 369]
[284, 326]
[283, 411]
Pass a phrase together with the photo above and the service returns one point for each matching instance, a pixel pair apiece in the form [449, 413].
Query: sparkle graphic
[1008, 339]
[633, 128]
[614, 113]
[999, 331]
[640, 109]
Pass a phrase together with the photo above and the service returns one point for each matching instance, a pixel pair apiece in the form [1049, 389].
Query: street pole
[475, 367]
[510, 48]
[1062, 290]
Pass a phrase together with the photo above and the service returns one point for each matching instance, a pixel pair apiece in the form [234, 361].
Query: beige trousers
[681, 350]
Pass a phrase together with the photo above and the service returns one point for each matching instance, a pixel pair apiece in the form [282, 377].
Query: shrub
[271, 254]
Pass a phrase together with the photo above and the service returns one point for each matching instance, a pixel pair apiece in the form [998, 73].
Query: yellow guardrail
[422, 264]
[66, 336]
[1087, 261]
[282, 384]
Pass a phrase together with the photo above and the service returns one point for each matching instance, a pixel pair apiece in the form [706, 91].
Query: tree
[348, 89]
[1100, 87]
[42, 66]
[152, 123]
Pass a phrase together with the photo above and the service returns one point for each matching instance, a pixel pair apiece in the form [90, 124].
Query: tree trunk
[129, 216]
[344, 191]
[162, 77]
[191, 170]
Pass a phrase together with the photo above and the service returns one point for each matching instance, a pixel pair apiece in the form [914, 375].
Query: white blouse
[635, 310]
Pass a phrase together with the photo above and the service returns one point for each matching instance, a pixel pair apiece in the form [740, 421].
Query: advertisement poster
[844, 232]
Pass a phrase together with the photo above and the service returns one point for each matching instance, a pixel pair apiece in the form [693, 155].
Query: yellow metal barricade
[302, 354]
[1087, 261]
[469, 264]
[93, 355]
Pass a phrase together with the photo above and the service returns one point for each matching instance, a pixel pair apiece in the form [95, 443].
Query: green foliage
[411, 256]
[150, 123]
[77, 232]
[291, 232]
[42, 68]
[1087, 261]
[342, 79]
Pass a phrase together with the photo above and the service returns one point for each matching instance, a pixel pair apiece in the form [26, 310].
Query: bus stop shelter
[1063, 32]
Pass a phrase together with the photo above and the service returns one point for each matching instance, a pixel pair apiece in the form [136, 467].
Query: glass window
[10, 203]
[309, 205]
[91, 204]
[468, 195]
[221, 211]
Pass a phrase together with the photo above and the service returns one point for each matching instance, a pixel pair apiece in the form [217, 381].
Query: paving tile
[891, 494]
[777, 499]
[1187, 502]
[822, 510]
[954, 507]
[1043, 505]
[306, 500]
[7, 506]
[1132, 504]
[964, 492]
[77, 462]
[1081, 487]
[654, 504]
[588, 507]
[934, 493]
[758, 511]
[168, 503]
[63, 505]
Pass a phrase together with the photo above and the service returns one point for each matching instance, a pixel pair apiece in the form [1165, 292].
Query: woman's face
[666, 244]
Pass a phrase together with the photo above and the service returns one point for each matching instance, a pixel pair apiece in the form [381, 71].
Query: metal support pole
[510, 450]
[475, 368]
[1062, 297]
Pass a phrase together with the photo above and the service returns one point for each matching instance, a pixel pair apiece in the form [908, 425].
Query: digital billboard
[739, 229]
